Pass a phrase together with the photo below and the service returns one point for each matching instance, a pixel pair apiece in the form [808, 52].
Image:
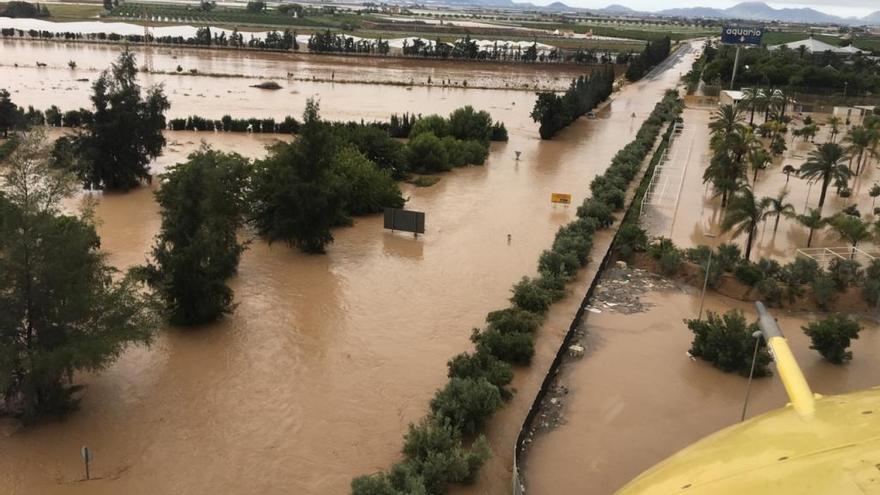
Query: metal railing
[824, 255]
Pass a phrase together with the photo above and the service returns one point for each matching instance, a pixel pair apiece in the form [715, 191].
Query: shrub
[553, 284]
[824, 291]
[769, 268]
[844, 273]
[771, 291]
[613, 197]
[433, 451]
[630, 239]
[426, 153]
[801, 270]
[434, 124]
[660, 246]
[466, 403]
[670, 262]
[400, 481]
[748, 273]
[528, 295]
[831, 337]
[514, 320]
[597, 210]
[514, 348]
[564, 265]
[729, 256]
[573, 242]
[481, 365]
[871, 287]
[467, 124]
[726, 342]
[499, 132]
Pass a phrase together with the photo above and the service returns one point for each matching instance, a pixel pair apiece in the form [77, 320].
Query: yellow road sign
[560, 198]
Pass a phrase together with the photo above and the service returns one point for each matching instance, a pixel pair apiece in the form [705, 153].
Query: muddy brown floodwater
[327, 359]
[636, 398]
[90, 58]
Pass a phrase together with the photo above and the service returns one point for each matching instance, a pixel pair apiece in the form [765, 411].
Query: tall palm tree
[858, 141]
[834, 122]
[812, 220]
[727, 120]
[751, 101]
[851, 228]
[826, 163]
[743, 215]
[874, 192]
[758, 160]
[788, 170]
[777, 207]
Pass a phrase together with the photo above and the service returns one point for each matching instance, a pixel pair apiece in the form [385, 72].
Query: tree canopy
[62, 308]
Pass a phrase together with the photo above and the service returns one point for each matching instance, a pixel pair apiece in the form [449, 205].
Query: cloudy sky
[843, 8]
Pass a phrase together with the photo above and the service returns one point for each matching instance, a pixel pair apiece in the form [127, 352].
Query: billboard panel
[406, 220]
[741, 35]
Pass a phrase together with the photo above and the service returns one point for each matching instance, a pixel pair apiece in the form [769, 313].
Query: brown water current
[91, 58]
[636, 398]
[327, 359]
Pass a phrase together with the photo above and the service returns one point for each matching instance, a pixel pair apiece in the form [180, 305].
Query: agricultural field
[643, 32]
[236, 16]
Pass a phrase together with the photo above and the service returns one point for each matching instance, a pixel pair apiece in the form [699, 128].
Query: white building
[813, 45]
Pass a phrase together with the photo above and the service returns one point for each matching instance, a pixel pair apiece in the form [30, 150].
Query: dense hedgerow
[433, 455]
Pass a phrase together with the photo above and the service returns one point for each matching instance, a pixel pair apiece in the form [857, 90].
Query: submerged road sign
[406, 220]
[560, 198]
[741, 35]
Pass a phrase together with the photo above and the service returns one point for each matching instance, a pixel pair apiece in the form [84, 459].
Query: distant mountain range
[757, 11]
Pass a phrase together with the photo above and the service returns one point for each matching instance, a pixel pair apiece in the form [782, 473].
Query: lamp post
[706, 278]
[757, 336]
[807, 200]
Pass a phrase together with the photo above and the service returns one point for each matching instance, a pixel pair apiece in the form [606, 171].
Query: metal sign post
[733, 35]
[86, 455]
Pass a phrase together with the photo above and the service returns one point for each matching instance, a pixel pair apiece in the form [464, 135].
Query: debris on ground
[621, 288]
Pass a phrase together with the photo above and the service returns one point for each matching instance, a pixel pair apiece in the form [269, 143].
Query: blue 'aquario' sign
[738, 35]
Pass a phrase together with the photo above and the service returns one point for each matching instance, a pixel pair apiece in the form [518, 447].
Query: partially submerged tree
[62, 308]
[126, 131]
[743, 215]
[197, 248]
[831, 337]
[726, 341]
[825, 163]
[812, 220]
[777, 207]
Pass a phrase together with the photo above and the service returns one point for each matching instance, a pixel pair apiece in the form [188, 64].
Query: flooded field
[696, 217]
[245, 66]
[635, 398]
[326, 359]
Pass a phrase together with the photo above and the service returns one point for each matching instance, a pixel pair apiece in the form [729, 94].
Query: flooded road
[697, 216]
[327, 359]
[246, 65]
[635, 398]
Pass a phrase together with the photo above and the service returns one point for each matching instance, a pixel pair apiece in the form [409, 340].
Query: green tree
[427, 153]
[826, 163]
[743, 215]
[858, 142]
[834, 122]
[62, 309]
[850, 228]
[295, 196]
[367, 189]
[812, 220]
[10, 116]
[126, 131]
[256, 6]
[466, 124]
[788, 170]
[197, 248]
[726, 341]
[758, 160]
[831, 337]
[777, 207]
